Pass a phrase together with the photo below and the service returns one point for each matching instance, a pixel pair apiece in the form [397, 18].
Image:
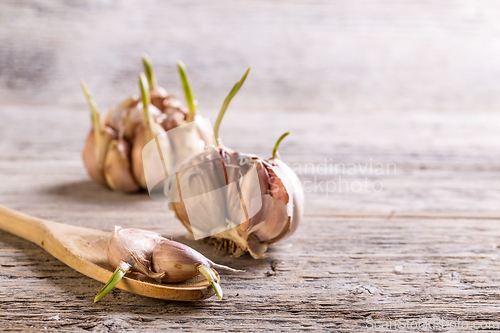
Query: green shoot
[120, 271]
[146, 98]
[95, 116]
[188, 91]
[275, 150]
[228, 99]
[148, 69]
[210, 276]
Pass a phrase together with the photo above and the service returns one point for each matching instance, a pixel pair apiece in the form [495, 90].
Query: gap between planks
[430, 216]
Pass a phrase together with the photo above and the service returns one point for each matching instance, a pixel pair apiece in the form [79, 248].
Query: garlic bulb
[146, 252]
[137, 121]
[214, 194]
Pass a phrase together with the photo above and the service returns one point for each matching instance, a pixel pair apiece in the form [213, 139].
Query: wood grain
[427, 246]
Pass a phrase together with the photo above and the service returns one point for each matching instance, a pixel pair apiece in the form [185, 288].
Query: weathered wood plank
[332, 55]
[337, 272]
[336, 278]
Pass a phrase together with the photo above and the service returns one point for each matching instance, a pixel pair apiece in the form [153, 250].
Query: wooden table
[419, 241]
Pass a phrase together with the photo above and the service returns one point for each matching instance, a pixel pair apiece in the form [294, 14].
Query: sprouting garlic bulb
[148, 253]
[269, 220]
[134, 123]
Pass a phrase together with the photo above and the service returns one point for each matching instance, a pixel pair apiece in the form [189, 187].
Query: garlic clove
[94, 154]
[97, 142]
[293, 186]
[176, 260]
[117, 169]
[146, 132]
[159, 98]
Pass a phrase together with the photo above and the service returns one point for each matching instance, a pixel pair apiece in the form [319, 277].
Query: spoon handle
[24, 226]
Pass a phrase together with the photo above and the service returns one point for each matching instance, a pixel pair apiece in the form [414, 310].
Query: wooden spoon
[84, 250]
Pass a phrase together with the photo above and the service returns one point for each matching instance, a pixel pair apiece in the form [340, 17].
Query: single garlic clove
[293, 186]
[94, 153]
[116, 116]
[117, 169]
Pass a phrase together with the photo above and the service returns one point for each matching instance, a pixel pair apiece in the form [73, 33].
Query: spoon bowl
[84, 250]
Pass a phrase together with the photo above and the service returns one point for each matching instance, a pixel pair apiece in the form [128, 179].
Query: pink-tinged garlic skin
[178, 261]
[154, 256]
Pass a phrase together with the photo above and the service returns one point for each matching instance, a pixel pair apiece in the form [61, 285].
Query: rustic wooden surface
[437, 217]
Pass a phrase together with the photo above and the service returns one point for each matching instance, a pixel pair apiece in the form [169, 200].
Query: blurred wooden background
[406, 83]
[351, 56]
